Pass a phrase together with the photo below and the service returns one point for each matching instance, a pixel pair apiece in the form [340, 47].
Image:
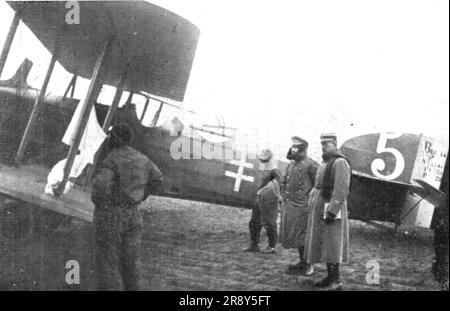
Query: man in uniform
[265, 209]
[296, 187]
[124, 179]
[327, 237]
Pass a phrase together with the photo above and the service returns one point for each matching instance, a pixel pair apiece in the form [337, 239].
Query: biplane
[136, 47]
[140, 48]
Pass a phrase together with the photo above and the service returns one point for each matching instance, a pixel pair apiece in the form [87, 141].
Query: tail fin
[19, 80]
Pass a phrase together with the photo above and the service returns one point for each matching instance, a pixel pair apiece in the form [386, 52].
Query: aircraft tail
[19, 80]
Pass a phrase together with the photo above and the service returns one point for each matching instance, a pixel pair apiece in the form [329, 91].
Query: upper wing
[156, 45]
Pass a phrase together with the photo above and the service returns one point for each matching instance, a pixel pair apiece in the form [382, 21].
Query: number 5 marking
[378, 164]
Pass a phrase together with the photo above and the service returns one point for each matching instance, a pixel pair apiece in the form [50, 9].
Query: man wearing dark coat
[327, 238]
[124, 179]
[265, 209]
[296, 187]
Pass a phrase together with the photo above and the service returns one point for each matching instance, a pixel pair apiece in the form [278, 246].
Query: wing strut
[156, 117]
[71, 87]
[147, 101]
[129, 99]
[93, 92]
[106, 124]
[115, 103]
[8, 41]
[37, 107]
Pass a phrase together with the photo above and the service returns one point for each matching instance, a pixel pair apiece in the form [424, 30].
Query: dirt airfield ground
[198, 246]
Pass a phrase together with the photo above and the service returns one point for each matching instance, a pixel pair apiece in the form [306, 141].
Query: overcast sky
[281, 68]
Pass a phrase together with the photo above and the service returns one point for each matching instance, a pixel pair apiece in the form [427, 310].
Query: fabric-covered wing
[156, 45]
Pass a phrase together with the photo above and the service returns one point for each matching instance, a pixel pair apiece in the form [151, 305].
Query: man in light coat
[327, 237]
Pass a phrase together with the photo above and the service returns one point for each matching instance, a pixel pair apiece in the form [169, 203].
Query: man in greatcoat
[327, 238]
[296, 187]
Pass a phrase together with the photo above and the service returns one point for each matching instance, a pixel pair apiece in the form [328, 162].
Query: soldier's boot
[299, 267]
[269, 250]
[272, 237]
[334, 279]
[326, 281]
[255, 229]
[254, 248]
[309, 270]
[322, 283]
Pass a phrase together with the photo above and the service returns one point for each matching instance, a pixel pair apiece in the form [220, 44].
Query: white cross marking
[241, 164]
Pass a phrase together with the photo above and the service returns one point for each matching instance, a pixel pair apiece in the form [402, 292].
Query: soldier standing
[296, 187]
[265, 209]
[124, 179]
[327, 237]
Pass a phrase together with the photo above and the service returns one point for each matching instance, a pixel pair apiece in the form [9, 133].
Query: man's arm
[283, 179]
[277, 175]
[312, 170]
[155, 181]
[103, 183]
[341, 186]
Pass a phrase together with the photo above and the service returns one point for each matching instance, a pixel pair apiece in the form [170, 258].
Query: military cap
[265, 155]
[298, 141]
[328, 137]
